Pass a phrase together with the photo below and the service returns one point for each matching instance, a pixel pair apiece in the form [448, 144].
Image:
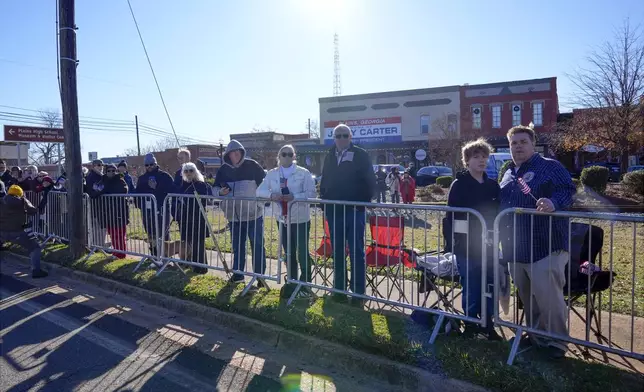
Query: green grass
[384, 334]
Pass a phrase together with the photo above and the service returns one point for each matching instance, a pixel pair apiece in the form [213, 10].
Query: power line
[153, 74]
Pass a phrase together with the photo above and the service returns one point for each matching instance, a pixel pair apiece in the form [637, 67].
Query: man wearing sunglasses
[159, 183]
[347, 175]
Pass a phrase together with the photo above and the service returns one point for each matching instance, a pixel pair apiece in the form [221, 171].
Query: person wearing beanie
[159, 183]
[122, 168]
[14, 209]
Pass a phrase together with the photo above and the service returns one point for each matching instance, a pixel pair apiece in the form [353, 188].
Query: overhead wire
[165, 107]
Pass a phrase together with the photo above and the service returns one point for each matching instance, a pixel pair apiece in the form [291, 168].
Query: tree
[610, 92]
[156, 146]
[444, 141]
[313, 128]
[48, 153]
[260, 129]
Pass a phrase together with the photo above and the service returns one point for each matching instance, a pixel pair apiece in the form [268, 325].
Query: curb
[303, 346]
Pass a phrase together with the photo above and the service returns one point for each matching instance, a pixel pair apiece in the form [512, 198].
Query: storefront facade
[395, 127]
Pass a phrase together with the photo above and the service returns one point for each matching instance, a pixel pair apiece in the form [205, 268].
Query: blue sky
[225, 67]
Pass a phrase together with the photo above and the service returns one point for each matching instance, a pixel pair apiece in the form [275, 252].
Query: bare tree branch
[156, 146]
[610, 92]
[48, 153]
[444, 141]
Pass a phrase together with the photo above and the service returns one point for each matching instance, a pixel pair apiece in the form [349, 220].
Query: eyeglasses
[99, 165]
[189, 171]
[111, 171]
[287, 154]
[342, 136]
[150, 165]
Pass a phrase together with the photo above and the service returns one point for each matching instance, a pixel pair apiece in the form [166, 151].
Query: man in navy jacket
[159, 183]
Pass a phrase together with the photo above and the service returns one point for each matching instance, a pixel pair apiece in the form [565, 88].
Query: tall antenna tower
[337, 85]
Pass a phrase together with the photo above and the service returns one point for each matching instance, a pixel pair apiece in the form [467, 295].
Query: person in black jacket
[93, 178]
[381, 185]
[122, 168]
[473, 189]
[348, 176]
[5, 174]
[159, 183]
[192, 223]
[114, 212]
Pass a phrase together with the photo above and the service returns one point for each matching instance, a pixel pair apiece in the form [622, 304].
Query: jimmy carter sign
[370, 130]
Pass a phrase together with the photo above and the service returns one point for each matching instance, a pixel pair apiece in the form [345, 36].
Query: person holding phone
[285, 183]
[239, 178]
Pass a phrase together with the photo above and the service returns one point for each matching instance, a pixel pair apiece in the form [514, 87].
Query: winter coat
[394, 182]
[350, 180]
[381, 180]
[191, 220]
[242, 180]
[28, 184]
[300, 184]
[164, 186]
[408, 189]
[13, 213]
[5, 177]
[178, 180]
[467, 192]
[44, 194]
[112, 211]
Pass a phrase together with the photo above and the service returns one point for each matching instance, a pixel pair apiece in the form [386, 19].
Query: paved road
[61, 335]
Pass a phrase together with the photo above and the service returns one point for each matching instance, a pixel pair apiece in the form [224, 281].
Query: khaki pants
[540, 287]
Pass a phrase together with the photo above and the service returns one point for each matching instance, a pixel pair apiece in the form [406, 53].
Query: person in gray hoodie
[238, 178]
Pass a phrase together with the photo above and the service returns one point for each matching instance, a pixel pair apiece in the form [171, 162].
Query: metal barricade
[220, 241]
[132, 223]
[36, 221]
[56, 217]
[561, 288]
[393, 250]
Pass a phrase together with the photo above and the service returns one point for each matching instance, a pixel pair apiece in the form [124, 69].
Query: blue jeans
[25, 240]
[471, 282]
[254, 231]
[347, 225]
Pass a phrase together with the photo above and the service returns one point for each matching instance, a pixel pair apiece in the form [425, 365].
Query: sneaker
[39, 274]
[524, 343]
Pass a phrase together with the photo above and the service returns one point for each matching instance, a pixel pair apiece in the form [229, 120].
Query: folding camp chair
[445, 288]
[387, 255]
[325, 251]
[586, 243]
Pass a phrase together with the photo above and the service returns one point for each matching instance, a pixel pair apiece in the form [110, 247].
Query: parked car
[427, 175]
[635, 168]
[495, 163]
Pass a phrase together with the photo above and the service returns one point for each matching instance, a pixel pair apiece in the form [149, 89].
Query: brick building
[491, 109]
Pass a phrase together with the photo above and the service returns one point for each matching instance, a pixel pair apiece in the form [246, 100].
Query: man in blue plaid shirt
[536, 246]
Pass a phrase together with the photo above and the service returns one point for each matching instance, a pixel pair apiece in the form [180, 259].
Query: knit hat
[122, 164]
[149, 159]
[47, 179]
[110, 166]
[96, 162]
[15, 190]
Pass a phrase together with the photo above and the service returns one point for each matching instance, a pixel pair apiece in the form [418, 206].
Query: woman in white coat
[287, 182]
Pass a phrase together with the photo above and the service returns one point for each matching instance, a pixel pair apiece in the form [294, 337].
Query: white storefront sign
[370, 130]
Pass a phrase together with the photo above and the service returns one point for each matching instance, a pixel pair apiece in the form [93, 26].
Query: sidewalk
[615, 327]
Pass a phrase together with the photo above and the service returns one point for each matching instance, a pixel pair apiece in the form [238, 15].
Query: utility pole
[71, 127]
[138, 143]
[309, 128]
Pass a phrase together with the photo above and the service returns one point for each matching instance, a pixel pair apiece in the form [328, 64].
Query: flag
[525, 188]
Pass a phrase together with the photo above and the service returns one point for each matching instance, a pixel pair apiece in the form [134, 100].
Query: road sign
[20, 133]
[421, 155]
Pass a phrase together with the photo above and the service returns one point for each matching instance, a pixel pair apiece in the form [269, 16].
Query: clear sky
[228, 66]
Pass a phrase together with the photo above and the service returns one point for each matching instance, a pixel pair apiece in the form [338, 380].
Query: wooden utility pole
[71, 127]
[138, 143]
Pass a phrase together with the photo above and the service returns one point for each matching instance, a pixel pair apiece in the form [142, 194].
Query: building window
[496, 116]
[476, 117]
[516, 114]
[424, 124]
[537, 113]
